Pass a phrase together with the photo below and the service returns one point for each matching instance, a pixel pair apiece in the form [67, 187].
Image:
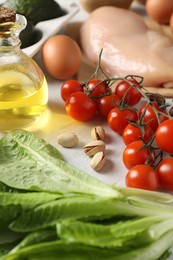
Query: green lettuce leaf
[9, 213]
[114, 235]
[82, 207]
[160, 197]
[152, 251]
[8, 236]
[5, 249]
[61, 250]
[50, 213]
[26, 200]
[33, 238]
[30, 163]
[5, 188]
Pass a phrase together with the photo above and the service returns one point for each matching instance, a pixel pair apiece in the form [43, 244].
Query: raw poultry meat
[129, 46]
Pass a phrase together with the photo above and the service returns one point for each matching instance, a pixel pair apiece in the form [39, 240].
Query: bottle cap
[7, 21]
[7, 15]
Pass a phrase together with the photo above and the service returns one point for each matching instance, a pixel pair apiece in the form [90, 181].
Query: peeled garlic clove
[68, 139]
[98, 161]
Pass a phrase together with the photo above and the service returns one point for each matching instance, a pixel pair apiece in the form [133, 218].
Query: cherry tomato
[165, 173]
[119, 118]
[80, 107]
[69, 87]
[137, 153]
[142, 177]
[133, 133]
[164, 134]
[130, 93]
[97, 88]
[149, 111]
[106, 103]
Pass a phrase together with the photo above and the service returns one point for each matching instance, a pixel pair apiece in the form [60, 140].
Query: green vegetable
[5, 249]
[26, 200]
[145, 194]
[36, 238]
[118, 234]
[81, 208]
[30, 35]
[8, 213]
[65, 251]
[36, 10]
[51, 210]
[61, 250]
[152, 251]
[29, 163]
[6, 188]
[8, 236]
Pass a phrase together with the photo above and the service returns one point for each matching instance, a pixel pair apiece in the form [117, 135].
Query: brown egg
[160, 10]
[171, 22]
[61, 56]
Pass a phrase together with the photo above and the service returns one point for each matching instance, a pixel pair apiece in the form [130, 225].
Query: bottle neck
[10, 42]
[9, 32]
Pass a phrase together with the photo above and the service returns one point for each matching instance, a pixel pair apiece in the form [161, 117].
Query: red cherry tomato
[137, 153]
[106, 103]
[97, 88]
[149, 111]
[119, 118]
[165, 173]
[142, 177]
[69, 87]
[133, 133]
[80, 107]
[164, 135]
[130, 93]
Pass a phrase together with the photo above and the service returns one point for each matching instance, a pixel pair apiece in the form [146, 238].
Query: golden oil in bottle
[23, 101]
[23, 87]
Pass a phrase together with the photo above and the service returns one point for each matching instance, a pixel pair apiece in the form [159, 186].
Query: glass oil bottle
[23, 87]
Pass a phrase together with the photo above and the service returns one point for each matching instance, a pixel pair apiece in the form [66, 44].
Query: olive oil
[23, 100]
[23, 87]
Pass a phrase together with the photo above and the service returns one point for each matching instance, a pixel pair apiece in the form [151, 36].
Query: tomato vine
[117, 100]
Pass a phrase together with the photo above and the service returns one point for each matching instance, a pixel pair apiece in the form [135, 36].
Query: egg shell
[160, 10]
[61, 56]
[171, 22]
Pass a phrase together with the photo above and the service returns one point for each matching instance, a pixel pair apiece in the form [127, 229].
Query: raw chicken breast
[129, 46]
